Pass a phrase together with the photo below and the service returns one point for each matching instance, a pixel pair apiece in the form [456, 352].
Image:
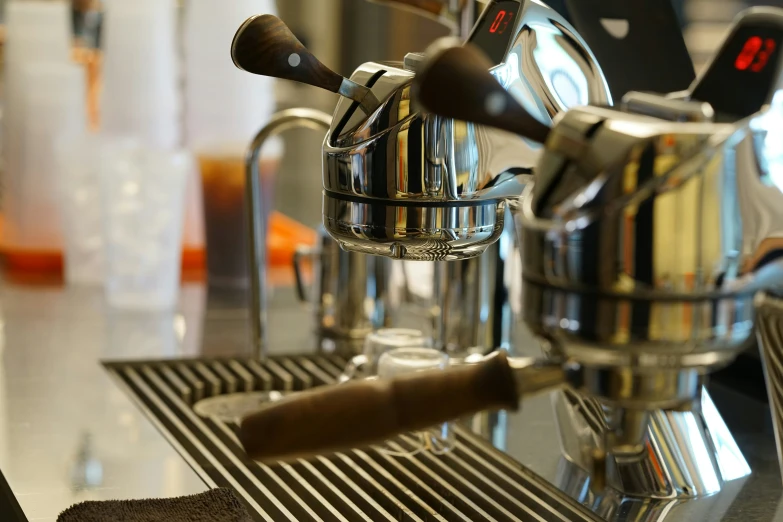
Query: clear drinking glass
[376, 344]
[79, 159]
[143, 206]
[223, 176]
[402, 361]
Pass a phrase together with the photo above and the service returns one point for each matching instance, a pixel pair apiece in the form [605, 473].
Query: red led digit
[748, 53]
[763, 56]
[498, 20]
[506, 21]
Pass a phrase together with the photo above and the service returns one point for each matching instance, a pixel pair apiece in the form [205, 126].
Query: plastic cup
[143, 194]
[140, 72]
[80, 160]
[222, 103]
[49, 114]
[36, 32]
[223, 175]
[32, 210]
[438, 439]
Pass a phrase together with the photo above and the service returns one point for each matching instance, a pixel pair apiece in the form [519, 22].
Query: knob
[456, 83]
[264, 45]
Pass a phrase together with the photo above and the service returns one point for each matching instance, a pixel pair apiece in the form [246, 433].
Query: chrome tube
[256, 218]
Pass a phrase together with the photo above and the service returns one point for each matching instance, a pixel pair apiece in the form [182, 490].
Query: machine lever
[264, 45]
[456, 83]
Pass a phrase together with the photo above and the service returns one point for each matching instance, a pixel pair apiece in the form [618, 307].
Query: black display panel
[651, 56]
[494, 30]
[743, 76]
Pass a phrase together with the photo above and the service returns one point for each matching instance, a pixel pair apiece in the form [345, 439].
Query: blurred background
[107, 86]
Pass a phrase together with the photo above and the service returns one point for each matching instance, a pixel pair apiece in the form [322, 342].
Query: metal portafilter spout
[361, 413]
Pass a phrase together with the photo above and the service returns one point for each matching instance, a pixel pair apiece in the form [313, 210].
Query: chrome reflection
[652, 257]
[686, 454]
[642, 258]
[399, 183]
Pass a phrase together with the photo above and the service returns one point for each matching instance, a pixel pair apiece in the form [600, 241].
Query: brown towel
[216, 505]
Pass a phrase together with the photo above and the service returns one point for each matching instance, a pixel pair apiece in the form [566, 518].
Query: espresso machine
[648, 274]
[470, 306]
[649, 235]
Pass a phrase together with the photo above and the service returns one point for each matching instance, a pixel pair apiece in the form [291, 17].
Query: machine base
[687, 454]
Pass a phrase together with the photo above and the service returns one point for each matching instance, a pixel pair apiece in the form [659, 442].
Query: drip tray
[474, 482]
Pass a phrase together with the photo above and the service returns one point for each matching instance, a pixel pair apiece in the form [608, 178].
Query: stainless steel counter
[68, 433]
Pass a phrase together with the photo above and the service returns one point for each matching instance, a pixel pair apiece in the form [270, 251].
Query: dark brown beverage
[223, 181]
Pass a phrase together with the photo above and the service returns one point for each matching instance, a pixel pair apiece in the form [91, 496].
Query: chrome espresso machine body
[650, 237]
[415, 186]
[437, 188]
[650, 234]
[418, 186]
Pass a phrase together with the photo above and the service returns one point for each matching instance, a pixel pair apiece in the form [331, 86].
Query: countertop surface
[68, 433]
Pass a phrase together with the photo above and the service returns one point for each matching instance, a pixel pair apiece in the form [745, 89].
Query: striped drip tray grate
[474, 482]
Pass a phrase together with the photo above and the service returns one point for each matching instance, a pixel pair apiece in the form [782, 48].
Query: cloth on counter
[216, 505]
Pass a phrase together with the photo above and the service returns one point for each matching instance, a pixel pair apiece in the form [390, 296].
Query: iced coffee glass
[223, 182]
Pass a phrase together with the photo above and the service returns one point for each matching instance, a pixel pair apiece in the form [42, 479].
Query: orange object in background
[223, 181]
[46, 267]
[285, 235]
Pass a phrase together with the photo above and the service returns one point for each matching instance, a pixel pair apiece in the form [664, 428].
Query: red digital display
[755, 54]
[495, 28]
[500, 24]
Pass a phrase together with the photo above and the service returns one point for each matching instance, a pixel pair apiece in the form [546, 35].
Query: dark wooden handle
[360, 413]
[456, 83]
[265, 45]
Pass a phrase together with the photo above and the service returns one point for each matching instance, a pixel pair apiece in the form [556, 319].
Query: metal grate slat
[474, 482]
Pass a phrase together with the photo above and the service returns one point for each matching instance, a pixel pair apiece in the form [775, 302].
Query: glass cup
[225, 223]
[79, 158]
[438, 439]
[143, 208]
[376, 344]
[140, 92]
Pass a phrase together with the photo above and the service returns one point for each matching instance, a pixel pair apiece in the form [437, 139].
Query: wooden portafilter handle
[456, 83]
[265, 45]
[361, 413]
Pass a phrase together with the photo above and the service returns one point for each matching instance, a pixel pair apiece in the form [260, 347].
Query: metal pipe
[256, 217]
